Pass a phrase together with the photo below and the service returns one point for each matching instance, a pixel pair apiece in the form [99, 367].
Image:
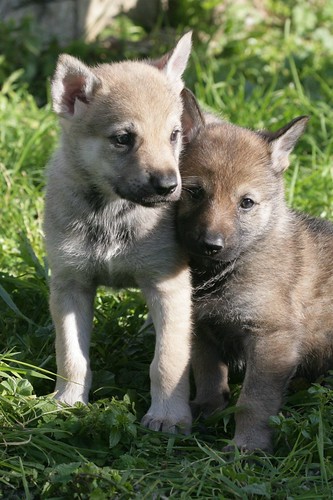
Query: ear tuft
[73, 81]
[173, 63]
[192, 117]
[283, 141]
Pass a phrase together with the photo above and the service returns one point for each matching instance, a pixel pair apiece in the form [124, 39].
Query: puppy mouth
[147, 200]
[207, 255]
[150, 201]
[153, 202]
[212, 266]
[213, 258]
[202, 261]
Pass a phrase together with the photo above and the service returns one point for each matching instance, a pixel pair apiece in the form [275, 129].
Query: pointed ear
[173, 63]
[73, 86]
[282, 142]
[192, 117]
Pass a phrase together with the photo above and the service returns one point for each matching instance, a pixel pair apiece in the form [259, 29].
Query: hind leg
[210, 375]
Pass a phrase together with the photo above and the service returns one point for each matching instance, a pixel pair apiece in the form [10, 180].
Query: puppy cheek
[177, 150]
[90, 152]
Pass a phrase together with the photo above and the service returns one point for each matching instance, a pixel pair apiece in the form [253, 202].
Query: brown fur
[262, 275]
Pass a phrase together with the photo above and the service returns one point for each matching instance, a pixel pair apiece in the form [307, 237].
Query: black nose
[211, 243]
[164, 185]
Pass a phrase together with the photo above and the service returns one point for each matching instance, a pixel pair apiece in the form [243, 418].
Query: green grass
[257, 75]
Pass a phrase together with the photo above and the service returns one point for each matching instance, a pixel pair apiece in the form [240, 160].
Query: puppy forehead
[228, 153]
[138, 90]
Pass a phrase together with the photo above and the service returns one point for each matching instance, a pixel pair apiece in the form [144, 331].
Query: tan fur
[109, 219]
[262, 275]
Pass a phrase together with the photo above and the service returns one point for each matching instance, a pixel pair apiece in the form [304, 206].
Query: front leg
[71, 306]
[271, 362]
[169, 304]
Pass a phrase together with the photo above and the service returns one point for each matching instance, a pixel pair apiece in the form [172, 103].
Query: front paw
[171, 422]
[261, 444]
[71, 393]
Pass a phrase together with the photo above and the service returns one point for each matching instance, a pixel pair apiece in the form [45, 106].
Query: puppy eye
[247, 203]
[196, 193]
[122, 141]
[174, 135]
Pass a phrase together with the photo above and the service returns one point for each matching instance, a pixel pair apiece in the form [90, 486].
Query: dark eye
[174, 136]
[125, 140]
[196, 193]
[247, 203]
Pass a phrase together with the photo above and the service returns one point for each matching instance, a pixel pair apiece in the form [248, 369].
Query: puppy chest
[225, 300]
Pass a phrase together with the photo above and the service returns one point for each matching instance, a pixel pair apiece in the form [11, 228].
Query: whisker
[211, 282]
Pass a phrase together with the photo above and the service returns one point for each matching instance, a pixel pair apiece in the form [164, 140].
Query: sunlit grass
[259, 79]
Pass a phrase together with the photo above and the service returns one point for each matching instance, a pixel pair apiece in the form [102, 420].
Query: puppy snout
[164, 184]
[211, 243]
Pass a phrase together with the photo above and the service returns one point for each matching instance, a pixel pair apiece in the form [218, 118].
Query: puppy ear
[282, 142]
[73, 86]
[192, 117]
[173, 63]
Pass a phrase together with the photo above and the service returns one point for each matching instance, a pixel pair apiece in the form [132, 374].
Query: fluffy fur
[109, 219]
[262, 273]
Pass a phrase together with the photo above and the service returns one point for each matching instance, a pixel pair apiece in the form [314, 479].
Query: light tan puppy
[109, 219]
[262, 273]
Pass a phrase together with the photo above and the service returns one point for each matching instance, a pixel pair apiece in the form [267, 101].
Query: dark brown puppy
[262, 273]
